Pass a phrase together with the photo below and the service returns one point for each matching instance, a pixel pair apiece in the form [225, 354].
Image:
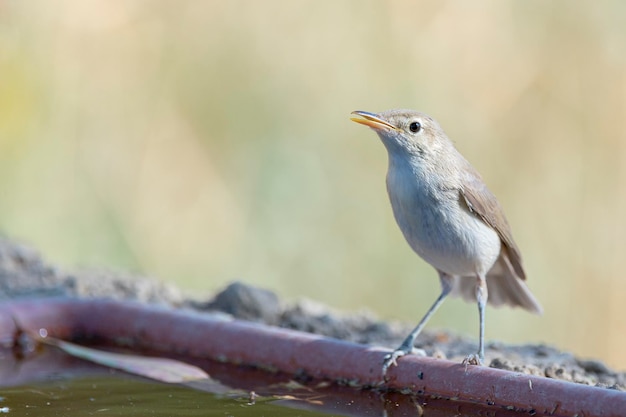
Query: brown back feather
[483, 203]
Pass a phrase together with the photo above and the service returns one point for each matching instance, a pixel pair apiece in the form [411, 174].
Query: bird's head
[406, 131]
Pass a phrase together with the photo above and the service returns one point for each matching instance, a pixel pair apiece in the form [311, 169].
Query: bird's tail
[503, 286]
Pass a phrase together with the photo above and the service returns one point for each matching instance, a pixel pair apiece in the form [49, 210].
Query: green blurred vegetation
[202, 142]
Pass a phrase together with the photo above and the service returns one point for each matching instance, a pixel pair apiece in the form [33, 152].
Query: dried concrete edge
[25, 274]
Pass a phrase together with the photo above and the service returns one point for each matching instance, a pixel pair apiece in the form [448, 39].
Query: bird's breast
[437, 226]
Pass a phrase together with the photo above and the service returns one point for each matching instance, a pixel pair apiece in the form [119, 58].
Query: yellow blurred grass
[202, 142]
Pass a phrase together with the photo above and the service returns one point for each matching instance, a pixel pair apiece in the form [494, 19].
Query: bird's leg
[481, 296]
[407, 346]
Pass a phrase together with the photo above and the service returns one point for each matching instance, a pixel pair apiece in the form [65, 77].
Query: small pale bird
[450, 219]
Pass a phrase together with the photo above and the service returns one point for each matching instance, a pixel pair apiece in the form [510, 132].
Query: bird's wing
[483, 203]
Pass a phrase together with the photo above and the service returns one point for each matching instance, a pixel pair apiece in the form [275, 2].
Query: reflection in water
[51, 383]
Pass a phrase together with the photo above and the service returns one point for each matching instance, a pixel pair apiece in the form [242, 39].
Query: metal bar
[207, 336]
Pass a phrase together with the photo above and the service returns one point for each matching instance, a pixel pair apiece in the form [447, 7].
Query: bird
[450, 219]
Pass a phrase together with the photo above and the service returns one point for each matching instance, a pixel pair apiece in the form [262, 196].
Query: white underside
[439, 227]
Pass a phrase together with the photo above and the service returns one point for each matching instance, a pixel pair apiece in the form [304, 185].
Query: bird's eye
[415, 127]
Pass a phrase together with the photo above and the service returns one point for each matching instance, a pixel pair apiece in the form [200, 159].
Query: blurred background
[206, 141]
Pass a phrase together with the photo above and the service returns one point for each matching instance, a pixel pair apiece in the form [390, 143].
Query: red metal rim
[205, 336]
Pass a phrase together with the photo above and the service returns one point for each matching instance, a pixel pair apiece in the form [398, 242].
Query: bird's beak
[372, 120]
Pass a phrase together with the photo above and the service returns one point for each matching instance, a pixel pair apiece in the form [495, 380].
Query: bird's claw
[473, 359]
[392, 358]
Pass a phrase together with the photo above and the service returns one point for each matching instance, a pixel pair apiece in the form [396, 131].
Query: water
[51, 383]
[118, 395]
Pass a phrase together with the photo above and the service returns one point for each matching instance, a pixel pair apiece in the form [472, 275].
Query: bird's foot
[391, 358]
[473, 359]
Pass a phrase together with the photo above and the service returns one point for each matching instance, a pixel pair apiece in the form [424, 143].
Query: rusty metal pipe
[199, 335]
